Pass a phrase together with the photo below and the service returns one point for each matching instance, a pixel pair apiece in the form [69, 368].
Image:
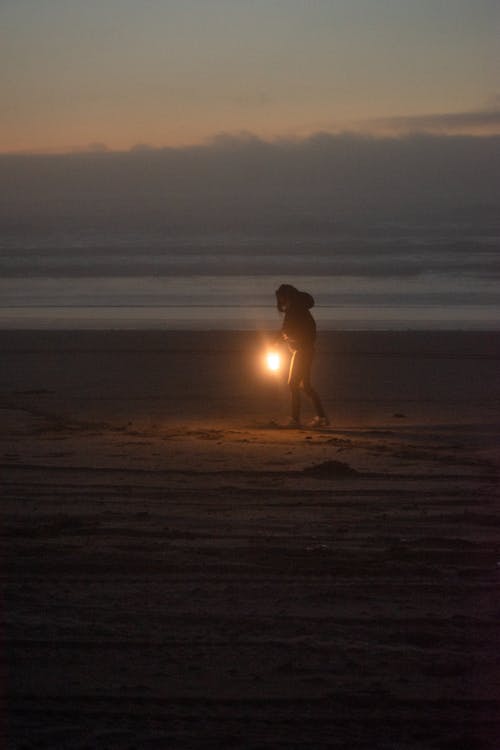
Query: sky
[119, 74]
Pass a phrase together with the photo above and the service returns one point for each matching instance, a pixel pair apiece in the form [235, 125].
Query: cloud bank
[482, 122]
[243, 184]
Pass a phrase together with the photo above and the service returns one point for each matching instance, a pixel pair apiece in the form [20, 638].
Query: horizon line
[226, 138]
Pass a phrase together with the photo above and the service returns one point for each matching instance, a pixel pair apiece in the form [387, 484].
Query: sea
[388, 276]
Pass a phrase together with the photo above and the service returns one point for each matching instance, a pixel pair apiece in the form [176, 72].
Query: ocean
[378, 277]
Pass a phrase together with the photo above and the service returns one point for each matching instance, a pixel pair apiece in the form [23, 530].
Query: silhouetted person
[299, 331]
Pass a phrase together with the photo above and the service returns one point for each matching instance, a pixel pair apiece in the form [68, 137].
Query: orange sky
[116, 73]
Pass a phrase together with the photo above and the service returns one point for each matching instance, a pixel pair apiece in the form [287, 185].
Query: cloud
[96, 147]
[473, 122]
[246, 185]
[142, 147]
[341, 205]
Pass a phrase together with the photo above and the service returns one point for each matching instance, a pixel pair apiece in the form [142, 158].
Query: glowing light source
[273, 361]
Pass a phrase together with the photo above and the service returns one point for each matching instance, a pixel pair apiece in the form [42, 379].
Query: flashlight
[273, 361]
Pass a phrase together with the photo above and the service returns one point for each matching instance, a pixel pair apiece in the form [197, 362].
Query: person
[299, 332]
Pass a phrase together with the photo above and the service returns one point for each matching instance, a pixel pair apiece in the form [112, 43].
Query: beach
[179, 571]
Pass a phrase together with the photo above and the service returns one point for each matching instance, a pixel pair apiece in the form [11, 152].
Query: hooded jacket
[299, 328]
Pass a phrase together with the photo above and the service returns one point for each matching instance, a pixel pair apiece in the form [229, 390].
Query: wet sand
[180, 572]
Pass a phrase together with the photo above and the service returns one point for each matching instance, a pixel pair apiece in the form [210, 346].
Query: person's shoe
[319, 422]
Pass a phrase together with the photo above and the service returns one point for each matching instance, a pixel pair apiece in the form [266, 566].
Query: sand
[179, 572]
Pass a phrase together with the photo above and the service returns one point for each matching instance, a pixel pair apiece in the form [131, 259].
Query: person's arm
[279, 337]
[284, 334]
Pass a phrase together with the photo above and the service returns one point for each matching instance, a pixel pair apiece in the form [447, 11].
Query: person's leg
[316, 401]
[307, 387]
[295, 403]
[294, 379]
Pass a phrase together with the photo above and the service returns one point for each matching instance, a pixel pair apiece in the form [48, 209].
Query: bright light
[273, 361]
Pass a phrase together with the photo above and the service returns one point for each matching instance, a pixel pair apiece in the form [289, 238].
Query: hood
[305, 299]
[287, 292]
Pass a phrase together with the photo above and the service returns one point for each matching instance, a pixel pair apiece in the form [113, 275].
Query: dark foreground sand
[177, 572]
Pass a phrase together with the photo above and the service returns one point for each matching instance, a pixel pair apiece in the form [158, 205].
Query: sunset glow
[117, 74]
